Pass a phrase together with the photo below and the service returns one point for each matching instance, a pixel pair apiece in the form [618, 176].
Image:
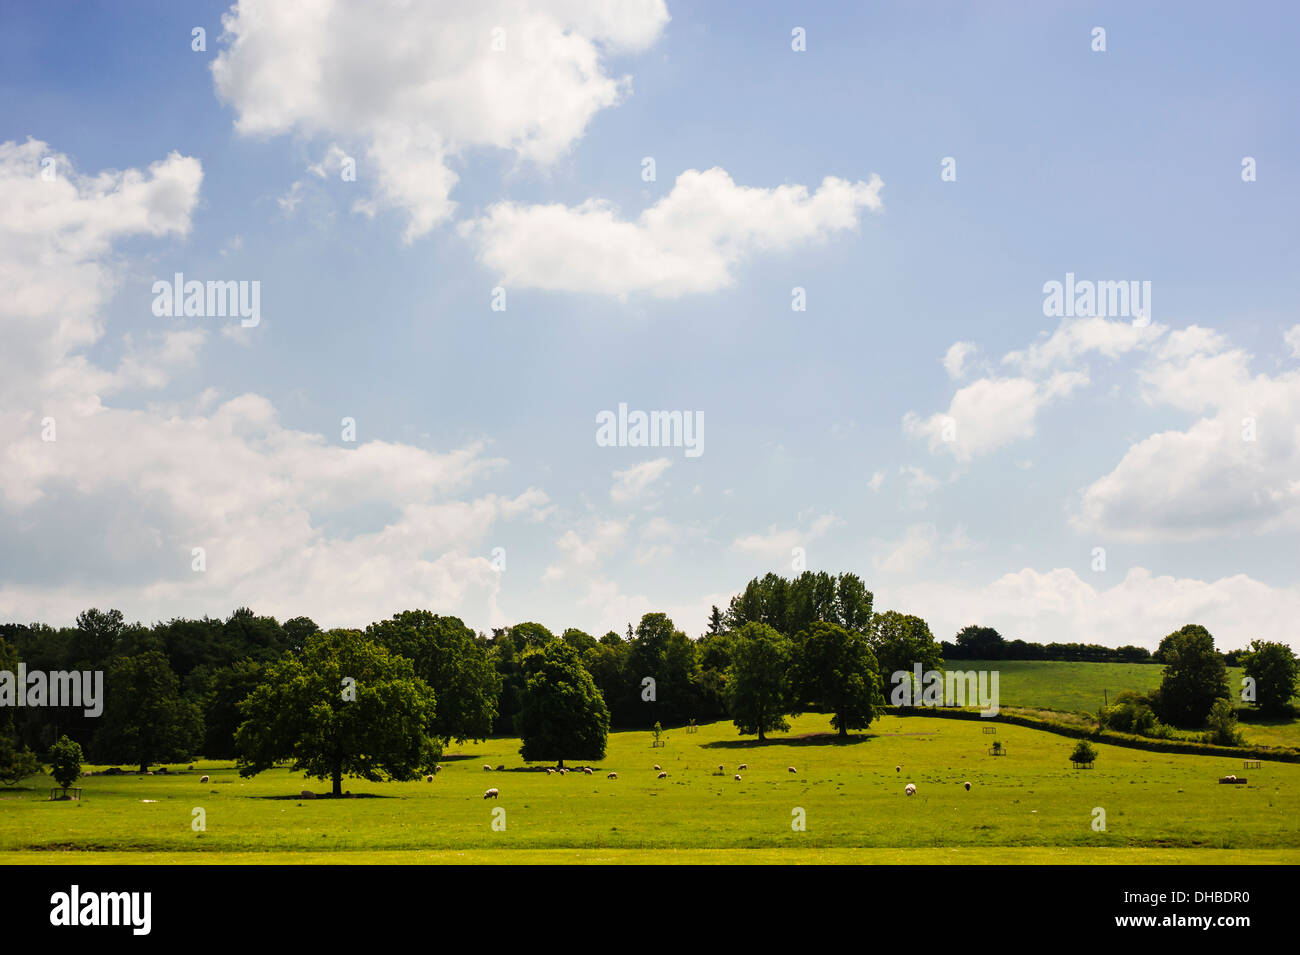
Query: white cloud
[416, 85]
[108, 513]
[908, 554]
[690, 241]
[1059, 606]
[632, 483]
[877, 479]
[990, 413]
[956, 357]
[1292, 338]
[775, 544]
[1074, 339]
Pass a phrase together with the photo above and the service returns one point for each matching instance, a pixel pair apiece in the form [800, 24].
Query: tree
[980, 643]
[900, 641]
[837, 671]
[1273, 667]
[17, 762]
[449, 658]
[65, 762]
[562, 714]
[758, 680]
[716, 623]
[580, 640]
[1194, 677]
[220, 692]
[297, 630]
[665, 654]
[1221, 724]
[1084, 752]
[145, 718]
[345, 706]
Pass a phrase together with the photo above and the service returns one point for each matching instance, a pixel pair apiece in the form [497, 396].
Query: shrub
[65, 762]
[1221, 726]
[1084, 752]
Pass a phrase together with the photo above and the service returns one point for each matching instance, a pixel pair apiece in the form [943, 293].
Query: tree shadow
[809, 739]
[300, 798]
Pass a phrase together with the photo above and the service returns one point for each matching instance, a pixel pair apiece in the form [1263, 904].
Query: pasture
[1027, 806]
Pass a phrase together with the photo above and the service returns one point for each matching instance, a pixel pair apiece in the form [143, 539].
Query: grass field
[1027, 806]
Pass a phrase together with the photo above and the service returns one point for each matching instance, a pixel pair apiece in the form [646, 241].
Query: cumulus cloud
[990, 413]
[414, 86]
[779, 543]
[111, 510]
[1234, 470]
[632, 483]
[1058, 605]
[690, 241]
[957, 357]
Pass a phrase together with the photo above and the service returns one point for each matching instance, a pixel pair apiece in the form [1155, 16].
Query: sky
[826, 236]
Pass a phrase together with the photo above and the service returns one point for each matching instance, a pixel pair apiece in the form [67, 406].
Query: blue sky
[823, 428]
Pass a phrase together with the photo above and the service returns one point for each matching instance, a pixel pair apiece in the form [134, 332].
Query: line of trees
[385, 702]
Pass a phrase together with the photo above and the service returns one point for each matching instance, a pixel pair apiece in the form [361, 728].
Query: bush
[65, 762]
[1084, 752]
[1221, 726]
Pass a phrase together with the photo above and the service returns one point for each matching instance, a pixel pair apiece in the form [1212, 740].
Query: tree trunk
[338, 780]
[144, 768]
[844, 731]
[559, 764]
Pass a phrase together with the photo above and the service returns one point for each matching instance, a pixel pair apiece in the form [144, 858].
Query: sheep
[203, 779]
[437, 770]
[307, 794]
[429, 778]
[662, 776]
[898, 769]
[743, 766]
[492, 793]
[487, 768]
[791, 769]
[967, 785]
[657, 767]
[563, 772]
[721, 770]
[587, 770]
[550, 772]
[910, 789]
[737, 777]
[608, 775]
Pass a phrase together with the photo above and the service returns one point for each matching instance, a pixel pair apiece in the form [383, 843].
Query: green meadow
[1029, 806]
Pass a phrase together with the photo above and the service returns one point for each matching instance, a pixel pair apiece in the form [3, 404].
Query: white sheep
[437, 770]
[663, 776]
[721, 770]
[656, 767]
[791, 769]
[491, 793]
[587, 770]
[743, 766]
[550, 772]
[967, 785]
[487, 768]
[898, 769]
[204, 779]
[910, 789]
[429, 778]
[609, 775]
[737, 777]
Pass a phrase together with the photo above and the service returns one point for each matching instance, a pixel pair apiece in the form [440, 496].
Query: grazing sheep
[429, 778]
[307, 794]
[487, 768]
[910, 789]
[737, 777]
[721, 770]
[663, 776]
[203, 779]
[898, 769]
[609, 775]
[437, 770]
[550, 772]
[587, 770]
[657, 767]
[491, 794]
[743, 766]
[967, 785]
[563, 772]
[791, 769]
